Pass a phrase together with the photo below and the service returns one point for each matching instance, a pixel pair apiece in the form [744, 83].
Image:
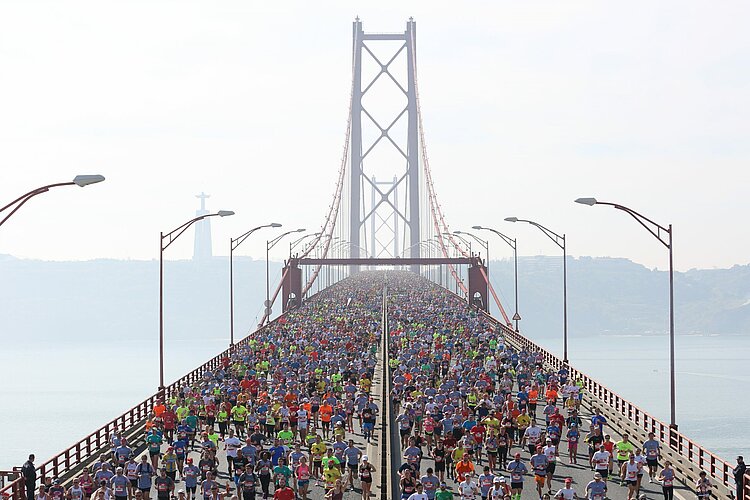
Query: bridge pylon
[374, 129]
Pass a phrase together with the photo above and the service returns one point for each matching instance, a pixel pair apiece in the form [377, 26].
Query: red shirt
[285, 493]
[557, 419]
[254, 384]
[169, 419]
[478, 432]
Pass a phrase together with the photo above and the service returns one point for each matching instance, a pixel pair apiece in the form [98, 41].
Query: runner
[596, 489]
[666, 476]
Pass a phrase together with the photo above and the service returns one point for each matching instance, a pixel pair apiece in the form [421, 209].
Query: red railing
[79, 453]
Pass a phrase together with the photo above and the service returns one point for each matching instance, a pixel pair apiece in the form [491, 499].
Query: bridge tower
[384, 143]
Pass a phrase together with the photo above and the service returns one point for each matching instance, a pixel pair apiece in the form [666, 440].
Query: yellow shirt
[523, 421]
[318, 450]
[331, 474]
[492, 422]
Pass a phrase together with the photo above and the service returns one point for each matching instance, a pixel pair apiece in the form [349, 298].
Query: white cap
[365, 458]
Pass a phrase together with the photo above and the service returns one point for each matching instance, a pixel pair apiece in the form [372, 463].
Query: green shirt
[443, 495]
[192, 421]
[624, 449]
[154, 442]
[285, 436]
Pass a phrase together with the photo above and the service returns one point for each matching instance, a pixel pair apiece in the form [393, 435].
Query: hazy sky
[527, 106]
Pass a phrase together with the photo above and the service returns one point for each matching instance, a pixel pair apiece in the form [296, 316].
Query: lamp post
[457, 270]
[656, 230]
[269, 245]
[557, 239]
[483, 243]
[434, 246]
[233, 244]
[512, 243]
[79, 180]
[170, 237]
[463, 240]
[438, 239]
[468, 245]
[293, 244]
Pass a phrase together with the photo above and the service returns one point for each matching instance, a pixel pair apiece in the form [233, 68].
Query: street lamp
[293, 244]
[233, 244]
[79, 180]
[170, 237]
[269, 245]
[468, 245]
[512, 243]
[483, 243]
[656, 230]
[464, 240]
[557, 239]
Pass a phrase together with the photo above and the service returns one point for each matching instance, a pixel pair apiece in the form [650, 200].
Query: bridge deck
[351, 314]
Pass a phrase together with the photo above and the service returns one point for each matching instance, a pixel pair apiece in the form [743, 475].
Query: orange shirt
[462, 468]
[159, 409]
[551, 395]
[326, 412]
[533, 396]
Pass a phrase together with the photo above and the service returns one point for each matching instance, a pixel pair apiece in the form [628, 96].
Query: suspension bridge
[385, 214]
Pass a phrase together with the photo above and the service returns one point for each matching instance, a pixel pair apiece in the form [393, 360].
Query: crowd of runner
[277, 420]
[289, 413]
[478, 419]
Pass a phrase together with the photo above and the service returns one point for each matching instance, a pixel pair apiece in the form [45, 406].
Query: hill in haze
[105, 299]
[618, 295]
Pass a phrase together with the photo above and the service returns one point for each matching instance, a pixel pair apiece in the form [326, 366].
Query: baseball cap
[189, 460]
[365, 458]
[517, 455]
[568, 479]
[597, 476]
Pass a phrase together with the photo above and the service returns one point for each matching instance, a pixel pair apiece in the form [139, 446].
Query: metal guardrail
[91, 445]
[386, 394]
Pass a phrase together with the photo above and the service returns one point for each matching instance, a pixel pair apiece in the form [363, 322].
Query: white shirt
[497, 494]
[550, 452]
[566, 493]
[232, 444]
[601, 460]
[533, 434]
[418, 496]
[302, 416]
[467, 489]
